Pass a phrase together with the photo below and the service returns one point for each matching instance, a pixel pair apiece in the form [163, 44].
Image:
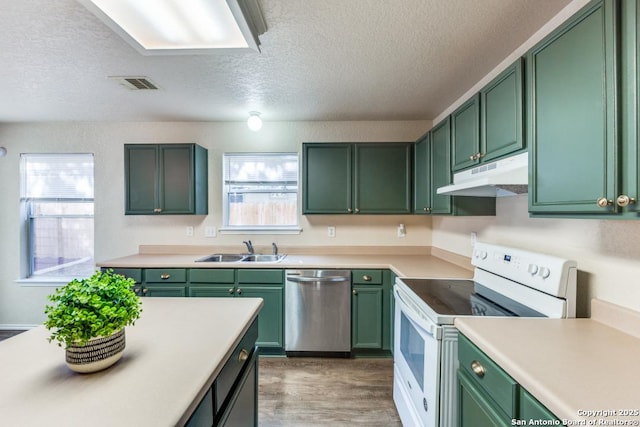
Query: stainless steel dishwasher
[318, 313]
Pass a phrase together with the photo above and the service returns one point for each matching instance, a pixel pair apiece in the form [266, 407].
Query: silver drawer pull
[366, 278]
[165, 276]
[477, 368]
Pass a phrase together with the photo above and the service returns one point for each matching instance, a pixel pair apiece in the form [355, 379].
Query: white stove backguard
[549, 274]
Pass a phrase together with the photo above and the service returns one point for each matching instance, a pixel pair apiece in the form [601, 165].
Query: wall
[118, 235]
[607, 251]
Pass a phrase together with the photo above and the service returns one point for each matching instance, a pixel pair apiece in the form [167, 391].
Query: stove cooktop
[444, 299]
[444, 296]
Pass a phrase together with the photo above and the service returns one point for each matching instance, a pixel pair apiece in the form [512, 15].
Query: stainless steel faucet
[249, 246]
[275, 248]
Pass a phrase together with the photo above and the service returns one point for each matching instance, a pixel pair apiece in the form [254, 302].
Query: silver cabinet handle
[603, 202]
[624, 200]
[477, 368]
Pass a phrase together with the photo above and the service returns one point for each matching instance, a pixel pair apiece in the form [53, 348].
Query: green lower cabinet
[531, 409]
[164, 282]
[248, 283]
[366, 314]
[475, 408]
[488, 396]
[271, 317]
[371, 312]
[161, 290]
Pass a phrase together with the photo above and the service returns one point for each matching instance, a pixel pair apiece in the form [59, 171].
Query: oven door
[416, 364]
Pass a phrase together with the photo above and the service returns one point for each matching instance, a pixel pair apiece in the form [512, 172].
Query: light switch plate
[209, 231]
[189, 230]
[331, 231]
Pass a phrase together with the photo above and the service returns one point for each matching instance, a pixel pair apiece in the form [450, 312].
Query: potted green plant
[88, 317]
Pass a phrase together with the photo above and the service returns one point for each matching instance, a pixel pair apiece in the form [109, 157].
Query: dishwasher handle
[302, 279]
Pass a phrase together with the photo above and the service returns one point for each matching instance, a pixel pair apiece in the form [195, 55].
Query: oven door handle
[408, 309]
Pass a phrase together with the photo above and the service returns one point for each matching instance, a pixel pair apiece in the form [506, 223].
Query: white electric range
[506, 282]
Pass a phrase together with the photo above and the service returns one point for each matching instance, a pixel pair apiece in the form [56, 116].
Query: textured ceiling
[320, 60]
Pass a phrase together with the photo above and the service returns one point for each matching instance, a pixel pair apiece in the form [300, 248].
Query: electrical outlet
[331, 231]
[209, 231]
[401, 230]
[474, 237]
[189, 230]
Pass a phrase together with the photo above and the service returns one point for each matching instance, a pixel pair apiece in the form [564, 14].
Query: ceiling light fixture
[182, 27]
[254, 122]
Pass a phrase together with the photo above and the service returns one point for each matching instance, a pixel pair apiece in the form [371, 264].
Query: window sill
[41, 282]
[247, 230]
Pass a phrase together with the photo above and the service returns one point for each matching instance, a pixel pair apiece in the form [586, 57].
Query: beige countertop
[570, 365]
[405, 265]
[173, 354]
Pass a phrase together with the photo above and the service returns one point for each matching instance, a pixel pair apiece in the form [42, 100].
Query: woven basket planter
[97, 354]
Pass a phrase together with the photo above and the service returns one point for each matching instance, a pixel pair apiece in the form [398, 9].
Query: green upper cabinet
[501, 107]
[438, 146]
[382, 178]
[165, 179]
[422, 175]
[465, 134]
[356, 178]
[572, 114]
[441, 166]
[326, 178]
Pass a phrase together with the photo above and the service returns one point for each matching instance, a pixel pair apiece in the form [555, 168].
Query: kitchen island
[180, 351]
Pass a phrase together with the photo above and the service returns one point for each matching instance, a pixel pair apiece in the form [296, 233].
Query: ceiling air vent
[135, 83]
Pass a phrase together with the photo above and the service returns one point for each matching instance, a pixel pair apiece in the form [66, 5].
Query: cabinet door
[326, 179]
[630, 98]
[572, 114]
[210, 290]
[243, 407]
[164, 291]
[382, 178]
[422, 176]
[141, 178]
[531, 409]
[366, 313]
[271, 317]
[475, 408]
[177, 176]
[502, 111]
[440, 166]
[465, 134]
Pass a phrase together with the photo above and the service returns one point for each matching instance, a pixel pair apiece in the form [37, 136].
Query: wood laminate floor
[309, 392]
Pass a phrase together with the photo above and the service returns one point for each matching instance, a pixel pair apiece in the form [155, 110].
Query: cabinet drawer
[134, 273]
[233, 366]
[490, 377]
[260, 276]
[210, 275]
[165, 275]
[366, 277]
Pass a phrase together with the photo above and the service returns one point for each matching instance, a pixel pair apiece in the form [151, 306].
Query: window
[56, 195]
[260, 191]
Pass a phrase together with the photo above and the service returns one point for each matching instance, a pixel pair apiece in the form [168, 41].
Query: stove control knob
[483, 255]
[532, 269]
[544, 272]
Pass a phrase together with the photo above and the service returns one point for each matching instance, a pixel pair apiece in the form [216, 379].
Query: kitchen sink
[241, 258]
[221, 258]
[263, 258]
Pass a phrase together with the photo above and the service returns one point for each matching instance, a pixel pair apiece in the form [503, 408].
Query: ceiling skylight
[182, 26]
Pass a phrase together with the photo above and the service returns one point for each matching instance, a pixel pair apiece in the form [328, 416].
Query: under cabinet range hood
[504, 177]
